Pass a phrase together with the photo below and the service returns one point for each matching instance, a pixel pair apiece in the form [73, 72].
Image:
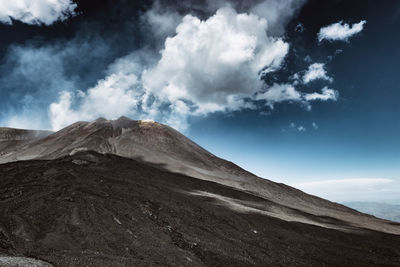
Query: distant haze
[380, 210]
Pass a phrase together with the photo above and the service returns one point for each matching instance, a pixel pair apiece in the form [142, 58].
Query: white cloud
[316, 71]
[61, 113]
[358, 189]
[279, 93]
[340, 31]
[36, 11]
[214, 63]
[207, 66]
[111, 98]
[287, 92]
[301, 128]
[315, 126]
[327, 94]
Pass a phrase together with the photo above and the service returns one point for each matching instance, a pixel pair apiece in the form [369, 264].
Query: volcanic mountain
[127, 193]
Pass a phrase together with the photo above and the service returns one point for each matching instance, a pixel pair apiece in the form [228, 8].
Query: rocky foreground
[102, 210]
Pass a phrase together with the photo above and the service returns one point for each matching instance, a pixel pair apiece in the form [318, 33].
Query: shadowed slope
[102, 210]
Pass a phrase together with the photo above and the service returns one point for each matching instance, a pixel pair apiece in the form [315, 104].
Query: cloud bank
[36, 11]
[211, 65]
[205, 64]
[340, 31]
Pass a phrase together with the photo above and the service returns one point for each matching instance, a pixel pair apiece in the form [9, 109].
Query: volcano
[139, 193]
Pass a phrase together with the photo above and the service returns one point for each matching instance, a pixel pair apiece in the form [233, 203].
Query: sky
[302, 92]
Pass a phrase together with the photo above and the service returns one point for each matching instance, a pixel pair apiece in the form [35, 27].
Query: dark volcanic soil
[103, 210]
[153, 142]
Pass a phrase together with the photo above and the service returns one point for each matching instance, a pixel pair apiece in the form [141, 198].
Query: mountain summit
[138, 139]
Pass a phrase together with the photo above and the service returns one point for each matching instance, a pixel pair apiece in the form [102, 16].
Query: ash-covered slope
[162, 146]
[11, 134]
[145, 140]
[92, 209]
[12, 140]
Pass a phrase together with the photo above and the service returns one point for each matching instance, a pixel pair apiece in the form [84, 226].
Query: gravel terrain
[113, 211]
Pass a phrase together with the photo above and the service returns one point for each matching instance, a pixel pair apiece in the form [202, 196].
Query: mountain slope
[91, 209]
[12, 140]
[162, 146]
[146, 140]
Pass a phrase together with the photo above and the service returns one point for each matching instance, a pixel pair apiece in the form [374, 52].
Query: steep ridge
[162, 146]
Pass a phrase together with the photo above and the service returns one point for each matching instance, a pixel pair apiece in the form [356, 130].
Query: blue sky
[357, 136]
[230, 74]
